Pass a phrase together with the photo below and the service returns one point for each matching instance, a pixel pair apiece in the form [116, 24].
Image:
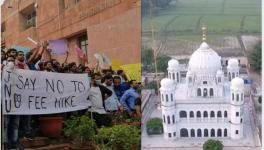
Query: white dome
[173, 64]
[205, 61]
[237, 83]
[233, 62]
[166, 83]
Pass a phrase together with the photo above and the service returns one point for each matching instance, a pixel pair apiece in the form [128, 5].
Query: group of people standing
[110, 92]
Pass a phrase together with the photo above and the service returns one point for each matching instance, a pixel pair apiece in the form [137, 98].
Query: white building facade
[205, 104]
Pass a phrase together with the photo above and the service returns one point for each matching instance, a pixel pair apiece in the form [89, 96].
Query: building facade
[206, 103]
[111, 27]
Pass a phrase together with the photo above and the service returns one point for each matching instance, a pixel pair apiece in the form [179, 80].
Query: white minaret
[173, 70]
[236, 111]
[168, 108]
[220, 83]
[232, 69]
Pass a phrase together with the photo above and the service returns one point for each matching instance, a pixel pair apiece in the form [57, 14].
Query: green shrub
[119, 137]
[154, 126]
[82, 130]
[213, 145]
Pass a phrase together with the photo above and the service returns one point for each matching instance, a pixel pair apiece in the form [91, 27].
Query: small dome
[233, 62]
[204, 61]
[173, 64]
[237, 82]
[167, 83]
[219, 72]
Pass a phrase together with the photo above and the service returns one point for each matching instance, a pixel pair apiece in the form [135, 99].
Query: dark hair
[119, 72]
[71, 64]
[20, 52]
[131, 81]
[11, 49]
[95, 74]
[28, 54]
[45, 63]
[116, 77]
[107, 77]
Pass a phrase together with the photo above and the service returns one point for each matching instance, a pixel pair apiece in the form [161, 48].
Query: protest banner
[133, 71]
[116, 64]
[59, 47]
[35, 92]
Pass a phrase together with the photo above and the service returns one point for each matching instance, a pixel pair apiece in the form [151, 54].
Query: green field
[220, 16]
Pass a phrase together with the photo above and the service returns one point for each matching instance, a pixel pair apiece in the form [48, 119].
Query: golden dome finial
[204, 33]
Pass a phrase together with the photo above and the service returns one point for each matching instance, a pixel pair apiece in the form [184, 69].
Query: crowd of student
[110, 92]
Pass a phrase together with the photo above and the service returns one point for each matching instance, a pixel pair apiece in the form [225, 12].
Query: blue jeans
[11, 125]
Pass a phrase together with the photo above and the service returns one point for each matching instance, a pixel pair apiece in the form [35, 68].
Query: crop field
[180, 23]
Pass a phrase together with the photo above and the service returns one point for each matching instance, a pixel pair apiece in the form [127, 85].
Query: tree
[213, 145]
[255, 58]
[162, 63]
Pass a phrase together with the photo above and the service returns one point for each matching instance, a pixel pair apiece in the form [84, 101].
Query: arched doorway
[219, 133]
[205, 92]
[199, 133]
[199, 93]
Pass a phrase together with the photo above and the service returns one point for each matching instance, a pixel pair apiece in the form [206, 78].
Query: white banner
[37, 92]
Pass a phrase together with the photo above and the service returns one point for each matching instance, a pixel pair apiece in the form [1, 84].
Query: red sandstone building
[111, 27]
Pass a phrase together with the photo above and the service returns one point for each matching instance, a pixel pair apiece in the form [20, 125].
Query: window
[171, 97]
[184, 132]
[28, 17]
[237, 114]
[168, 119]
[169, 134]
[162, 97]
[199, 92]
[191, 114]
[205, 92]
[225, 114]
[211, 92]
[192, 133]
[205, 132]
[219, 133]
[83, 43]
[236, 131]
[183, 114]
[233, 96]
[173, 76]
[242, 97]
[174, 133]
[204, 82]
[241, 120]
[205, 114]
[177, 77]
[212, 115]
[164, 119]
[167, 98]
[212, 133]
[237, 97]
[229, 76]
[225, 133]
[199, 133]
[198, 114]
[219, 114]
[173, 119]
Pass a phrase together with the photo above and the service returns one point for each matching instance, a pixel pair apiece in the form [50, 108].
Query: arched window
[199, 133]
[237, 97]
[225, 114]
[219, 133]
[219, 114]
[169, 134]
[242, 97]
[199, 93]
[225, 133]
[212, 114]
[184, 132]
[233, 96]
[168, 119]
[229, 76]
[173, 119]
[212, 133]
[173, 76]
[174, 133]
[205, 132]
[167, 98]
[205, 92]
[205, 114]
[177, 77]
[211, 92]
[198, 115]
[162, 97]
[191, 114]
[183, 114]
[164, 119]
[241, 120]
[192, 133]
[233, 75]
[171, 97]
